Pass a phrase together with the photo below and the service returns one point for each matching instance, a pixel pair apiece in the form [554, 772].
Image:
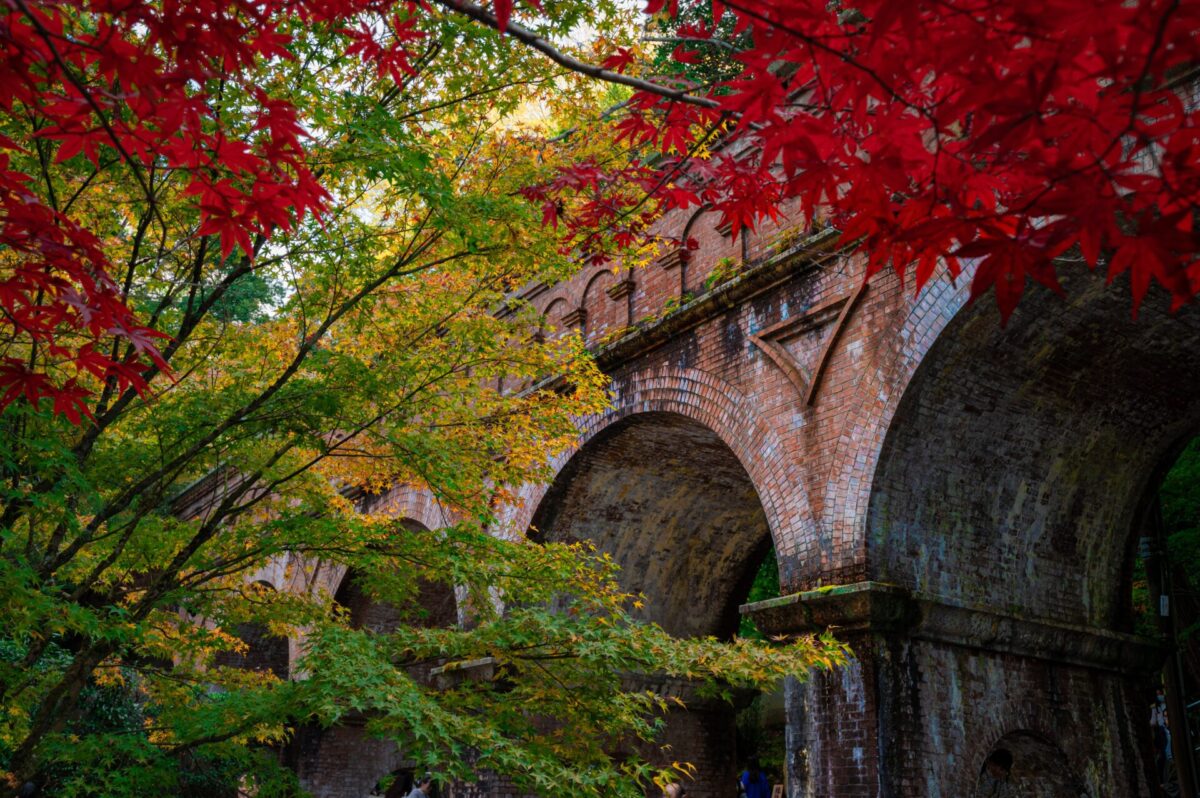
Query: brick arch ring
[876, 400]
[405, 503]
[719, 407]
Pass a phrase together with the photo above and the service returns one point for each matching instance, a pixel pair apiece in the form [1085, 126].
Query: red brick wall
[998, 466]
[1003, 468]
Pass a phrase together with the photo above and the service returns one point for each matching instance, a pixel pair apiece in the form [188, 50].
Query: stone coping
[689, 692]
[807, 254]
[882, 608]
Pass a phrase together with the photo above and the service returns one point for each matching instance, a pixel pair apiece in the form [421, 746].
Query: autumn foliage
[262, 262]
[999, 135]
[277, 246]
[994, 136]
[131, 82]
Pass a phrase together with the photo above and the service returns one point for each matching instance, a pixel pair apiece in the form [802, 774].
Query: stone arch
[413, 506]
[1044, 436]
[343, 761]
[1006, 470]
[720, 407]
[413, 503]
[665, 497]
[264, 652]
[680, 482]
[600, 312]
[554, 312]
[1037, 768]
[434, 605]
[714, 243]
[591, 290]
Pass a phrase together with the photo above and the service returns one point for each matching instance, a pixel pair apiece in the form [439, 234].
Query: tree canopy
[965, 135]
[268, 254]
[271, 249]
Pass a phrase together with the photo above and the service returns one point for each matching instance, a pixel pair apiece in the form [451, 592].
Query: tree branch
[528, 37]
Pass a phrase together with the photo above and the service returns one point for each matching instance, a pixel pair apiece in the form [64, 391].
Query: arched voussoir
[714, 404]
[907, 328]
[412, 506]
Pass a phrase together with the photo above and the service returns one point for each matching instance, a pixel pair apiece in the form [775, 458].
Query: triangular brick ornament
[802, 345]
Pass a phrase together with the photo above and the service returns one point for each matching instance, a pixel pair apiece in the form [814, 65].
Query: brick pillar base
[342, 761]
[703, 732]
[706, 739]
[935, 687]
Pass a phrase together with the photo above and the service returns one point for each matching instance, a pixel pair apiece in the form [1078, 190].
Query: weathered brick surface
[703, 527]
[343, 761]
[945, 709]
[1019, 459]
[1003, 468]
[995, 471]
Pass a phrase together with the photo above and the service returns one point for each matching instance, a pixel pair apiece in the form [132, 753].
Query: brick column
[935, 686]
[702, 732]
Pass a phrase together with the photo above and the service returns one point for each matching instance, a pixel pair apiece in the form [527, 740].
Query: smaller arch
[553, 315]
[414, 507]
[1025, 764]
[433, 606]
[671, 503]
[263, 652]
[365, 611]
[687, 227]
[593, 284]
[600, 314]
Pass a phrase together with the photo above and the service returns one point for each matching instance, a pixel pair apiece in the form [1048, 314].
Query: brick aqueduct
[959, 499]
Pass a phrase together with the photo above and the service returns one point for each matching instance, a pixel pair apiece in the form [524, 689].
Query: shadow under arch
[1012, 481]
[1025, 452]
[1024, 764]
[671, 503]
[674, 507]
[433, 606]
[344, 761]
[263, 652]
[732, 420]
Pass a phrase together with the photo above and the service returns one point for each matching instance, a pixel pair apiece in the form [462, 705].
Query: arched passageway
[261, 651]
[670, 502]
[344, 761]
[1026, 765]
[1011, 487]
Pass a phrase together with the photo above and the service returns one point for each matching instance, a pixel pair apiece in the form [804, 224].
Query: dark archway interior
[670, 502]
[434, 606]
[1021, 458]
[674, 507]
[343, 759]
[1039, 769]
[264, 651]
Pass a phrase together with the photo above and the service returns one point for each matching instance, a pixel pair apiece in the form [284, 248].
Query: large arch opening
[1016, 476]
[669, 500]
[1166, 606]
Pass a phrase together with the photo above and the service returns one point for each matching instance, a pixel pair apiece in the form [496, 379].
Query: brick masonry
[999, 474]
[996, 469]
